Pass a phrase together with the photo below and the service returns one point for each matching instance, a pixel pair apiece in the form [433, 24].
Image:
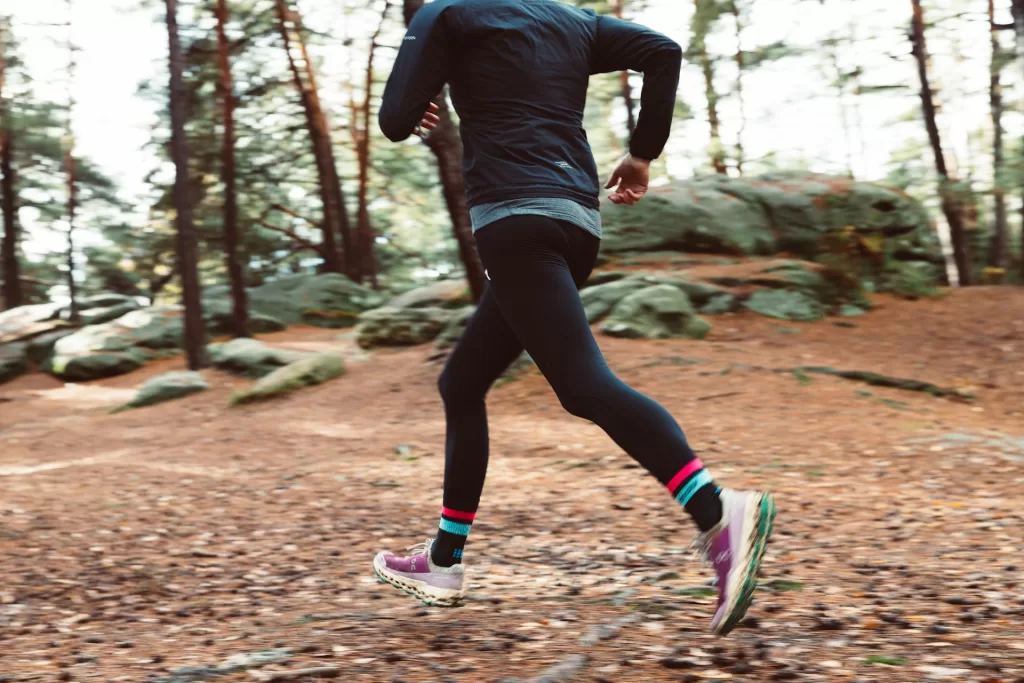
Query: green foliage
[885, 660]
[38, 137]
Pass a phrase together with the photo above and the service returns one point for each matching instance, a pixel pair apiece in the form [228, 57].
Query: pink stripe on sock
[694, 465]
[455, 514]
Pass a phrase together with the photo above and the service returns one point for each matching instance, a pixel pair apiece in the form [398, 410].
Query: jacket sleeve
[419, 73]
[621, 45]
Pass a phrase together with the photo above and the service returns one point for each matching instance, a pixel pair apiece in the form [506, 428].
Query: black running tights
[536, 266]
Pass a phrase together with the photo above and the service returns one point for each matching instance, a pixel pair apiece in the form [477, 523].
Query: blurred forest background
[288, 173]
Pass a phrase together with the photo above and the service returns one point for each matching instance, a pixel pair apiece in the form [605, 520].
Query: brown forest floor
[135, 544]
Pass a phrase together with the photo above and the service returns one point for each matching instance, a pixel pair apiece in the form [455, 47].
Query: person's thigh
[483, 352]
[528, 260]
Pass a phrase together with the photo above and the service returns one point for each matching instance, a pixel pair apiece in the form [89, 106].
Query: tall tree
[9, 248]
[999, 254]
[12, 296]
[707, 12]
[445, 143]
[236, 275]
[335, 214]
[195, 334]
[69, 166]
[627, 89]
[1017, 12]
[952, 206]
[737, 15]
[366, 239]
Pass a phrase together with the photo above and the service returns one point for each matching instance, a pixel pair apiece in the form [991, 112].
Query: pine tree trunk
[717, 151]
[195, 334]
[8, 196]
[12, 294]
[446, 145]
[69, 165]
[335, 214]
[69, 162]
[999, 254]
[740, 67]
[1017, 10]
[627, 89]
[239, 299]
[952, 206]
[364, 228]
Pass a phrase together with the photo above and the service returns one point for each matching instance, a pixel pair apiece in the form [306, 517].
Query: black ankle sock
[705, 507]
[447, 549]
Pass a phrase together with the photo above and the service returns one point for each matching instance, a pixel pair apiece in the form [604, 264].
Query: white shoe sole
[429, 595]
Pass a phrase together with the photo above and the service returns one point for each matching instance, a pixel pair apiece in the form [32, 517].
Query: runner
[518, 72]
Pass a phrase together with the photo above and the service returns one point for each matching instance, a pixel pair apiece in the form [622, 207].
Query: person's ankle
[446, 561]
[705, 507]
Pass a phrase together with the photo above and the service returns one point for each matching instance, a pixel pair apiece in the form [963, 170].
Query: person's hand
[430, 119]
[630, 180]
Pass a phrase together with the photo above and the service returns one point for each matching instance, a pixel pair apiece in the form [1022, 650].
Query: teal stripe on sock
[696, 482]
[455, 527]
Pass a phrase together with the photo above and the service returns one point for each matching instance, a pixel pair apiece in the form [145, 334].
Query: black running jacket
[518, 72]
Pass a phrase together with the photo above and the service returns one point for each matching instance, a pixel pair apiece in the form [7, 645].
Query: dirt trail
[136, 544]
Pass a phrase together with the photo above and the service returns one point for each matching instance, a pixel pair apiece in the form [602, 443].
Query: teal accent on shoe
[455, 527]
[696, 482]
[765, 525]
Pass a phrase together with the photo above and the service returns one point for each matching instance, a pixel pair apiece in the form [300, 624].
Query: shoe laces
[701, 546]
[421, 548]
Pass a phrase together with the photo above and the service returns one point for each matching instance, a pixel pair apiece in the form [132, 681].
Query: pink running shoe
[735, 549]
[418, 576]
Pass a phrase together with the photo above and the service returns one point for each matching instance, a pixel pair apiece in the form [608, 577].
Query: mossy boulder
[99, 365]
[325, 300]
[106, 300]
[785, 305]
[870, 228]
[25, 322]
[657, 312]
[167, 387]
[720, 304]
[13, 361]
[831, 288]
[303, 373]
[687, 217]
[909, 279]
[251, 358]
[102, 314]
[401, 326]
[40, 347]
[601, 277]
[599, 300]
[218, 315]
[448, 294]
[116, 347]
